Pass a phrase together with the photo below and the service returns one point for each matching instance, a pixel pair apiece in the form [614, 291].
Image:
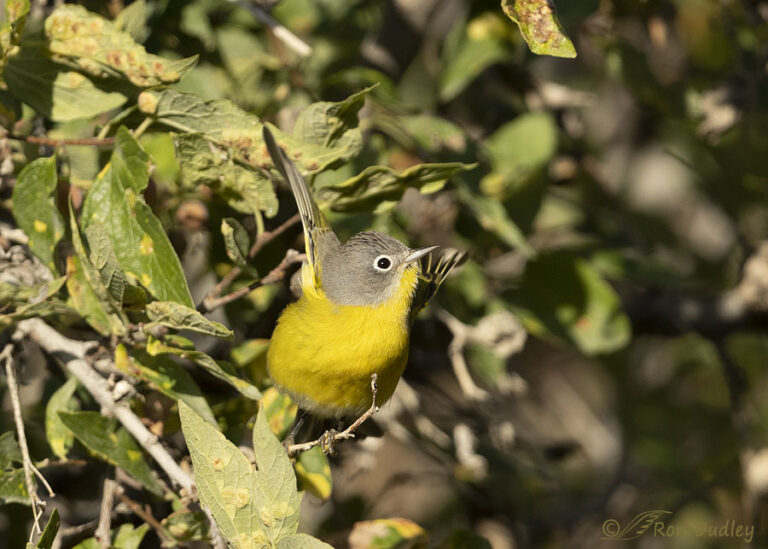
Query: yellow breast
[323, 354]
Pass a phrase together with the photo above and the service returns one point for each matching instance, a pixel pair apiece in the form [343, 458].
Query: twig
[144, 515]
[13, 390]
[105, 513]
[261, 240]
[72, 353]
[331, 437]
[40, 476]
[275, 275]
[460, 333]
[50, 142]
[301, 48]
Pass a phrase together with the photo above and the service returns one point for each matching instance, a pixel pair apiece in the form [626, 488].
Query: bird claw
[328, 442]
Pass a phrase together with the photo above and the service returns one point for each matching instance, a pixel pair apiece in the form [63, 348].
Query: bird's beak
[418, 254]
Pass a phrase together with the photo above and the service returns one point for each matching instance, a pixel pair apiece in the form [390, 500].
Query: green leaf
[540, 27]
[138, 238]
[55, 91]
[482, 45]
[179, 317]
[378, 184]
[252, 508]
[49, 532]
[301, 541]
[102, 256]
[12, 487]
[245, 189]
[117, 447]
[236, 241]
[186, 525]
[10, 452]
[564, 296]
[389, 533]
[221, 370]
[314, 473]
[133, 20]
[491, 215]
[95, 46]
[15, 15]
[128, 536]
[325, 134]
[280, 411]
[433, 133]
[87, 290]
[166, 376]
[523, 145]
[60, 438]
[34, 207]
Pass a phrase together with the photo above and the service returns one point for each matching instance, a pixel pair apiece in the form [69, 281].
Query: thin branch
[50, 142]
[261, 240]
[292, 257]
[13, 390]
[40, 476]
[144, 515]
[301, 48]
[105, 513]
[72, 354]
[460, 339]
[329, 439]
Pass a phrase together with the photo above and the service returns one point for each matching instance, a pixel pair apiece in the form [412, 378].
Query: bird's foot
[328, 442]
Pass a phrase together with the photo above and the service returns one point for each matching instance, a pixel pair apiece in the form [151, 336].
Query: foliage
[597, 355]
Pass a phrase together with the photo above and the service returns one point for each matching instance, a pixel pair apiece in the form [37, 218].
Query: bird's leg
[298, 423]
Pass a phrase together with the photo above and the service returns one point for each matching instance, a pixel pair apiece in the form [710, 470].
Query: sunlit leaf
[96, 432]
[14, 17]
[222, 370]
[540, 27]
[60, 438]
[103, 257]
[377, 184]
[390, 533]
[179, 317]
[49, 532]
[301, 541]
[95, 46]
[166, 376]
[34, 207]
[314, 473]
[280, 410]
[139, 240]
[56, 91]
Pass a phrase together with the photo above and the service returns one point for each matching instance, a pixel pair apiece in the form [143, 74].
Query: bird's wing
[315, 225]
[433, 274]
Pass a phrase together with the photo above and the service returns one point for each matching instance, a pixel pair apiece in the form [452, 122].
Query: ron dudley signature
[652, 523]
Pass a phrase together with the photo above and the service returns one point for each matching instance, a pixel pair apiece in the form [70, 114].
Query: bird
[356, 305]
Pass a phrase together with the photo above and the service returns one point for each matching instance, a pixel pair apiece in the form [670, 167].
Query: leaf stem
[145, 124]
[50, 142]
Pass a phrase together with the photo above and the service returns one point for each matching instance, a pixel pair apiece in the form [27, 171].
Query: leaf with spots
[60, 438]
[87, 291]
[220, 369]
[378, 184]
[280, 411]
[15, 15]
[245, 189]
[34, 207]
[539, 26]
[93, 45]
[234, 491]
[166, 376]
[139, 241]
[98, 434]
[179, 317]
[103, 257]
[387, 533]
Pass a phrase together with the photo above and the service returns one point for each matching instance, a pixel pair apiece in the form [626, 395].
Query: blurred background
[603, 353]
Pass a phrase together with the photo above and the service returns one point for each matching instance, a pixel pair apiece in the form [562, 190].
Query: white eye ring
[383, 263]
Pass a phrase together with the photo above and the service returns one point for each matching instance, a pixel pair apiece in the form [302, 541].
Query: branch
[210, 302]
[105, 513]
[13, 389]
[72, 354]
[461, 336]
[49, 141]
[328, 440]
[261, 240]
[301, 48]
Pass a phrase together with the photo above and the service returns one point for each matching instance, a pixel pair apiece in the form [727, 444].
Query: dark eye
[382, 263]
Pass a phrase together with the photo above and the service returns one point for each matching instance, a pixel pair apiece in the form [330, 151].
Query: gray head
[367, 269]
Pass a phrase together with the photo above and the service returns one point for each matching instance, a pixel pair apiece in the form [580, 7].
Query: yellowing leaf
[539, 26]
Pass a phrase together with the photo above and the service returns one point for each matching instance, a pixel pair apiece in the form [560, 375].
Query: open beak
[418, 254]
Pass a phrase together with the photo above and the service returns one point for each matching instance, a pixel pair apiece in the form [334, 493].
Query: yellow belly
[323, 354]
